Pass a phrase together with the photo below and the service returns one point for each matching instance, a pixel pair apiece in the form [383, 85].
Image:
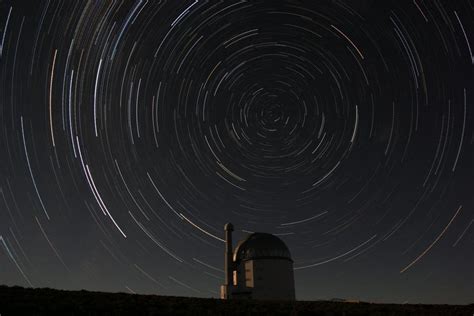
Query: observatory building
[260, 267]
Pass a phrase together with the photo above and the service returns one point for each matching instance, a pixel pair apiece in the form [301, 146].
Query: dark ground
[21, 301]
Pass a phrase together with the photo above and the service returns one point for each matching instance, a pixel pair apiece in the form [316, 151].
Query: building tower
[228, 262]
[260, 267]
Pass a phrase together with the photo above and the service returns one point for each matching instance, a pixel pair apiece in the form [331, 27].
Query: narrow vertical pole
[229, 228]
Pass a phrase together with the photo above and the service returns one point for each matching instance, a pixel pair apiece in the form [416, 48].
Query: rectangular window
[249, 274]
[235, 278]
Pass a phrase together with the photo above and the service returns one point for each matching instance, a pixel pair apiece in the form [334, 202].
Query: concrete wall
[266, 279]
[272, 279]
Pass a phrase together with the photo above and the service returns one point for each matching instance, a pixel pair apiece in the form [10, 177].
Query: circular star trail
[133, 131]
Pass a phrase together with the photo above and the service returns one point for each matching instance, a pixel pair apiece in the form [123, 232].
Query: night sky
[131, 132]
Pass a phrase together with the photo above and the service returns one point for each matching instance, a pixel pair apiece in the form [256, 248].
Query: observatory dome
[261, 246]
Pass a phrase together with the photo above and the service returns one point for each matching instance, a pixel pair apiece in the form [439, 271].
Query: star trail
[132, 131]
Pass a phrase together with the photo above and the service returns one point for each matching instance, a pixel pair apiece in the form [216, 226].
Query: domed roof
[261, 246]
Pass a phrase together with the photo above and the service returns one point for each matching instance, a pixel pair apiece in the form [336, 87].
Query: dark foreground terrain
[21, 301]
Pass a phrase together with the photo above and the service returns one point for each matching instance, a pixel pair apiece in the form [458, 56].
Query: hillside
[26, 301]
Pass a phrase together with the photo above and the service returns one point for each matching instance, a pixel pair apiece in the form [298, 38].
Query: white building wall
[272, 279]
